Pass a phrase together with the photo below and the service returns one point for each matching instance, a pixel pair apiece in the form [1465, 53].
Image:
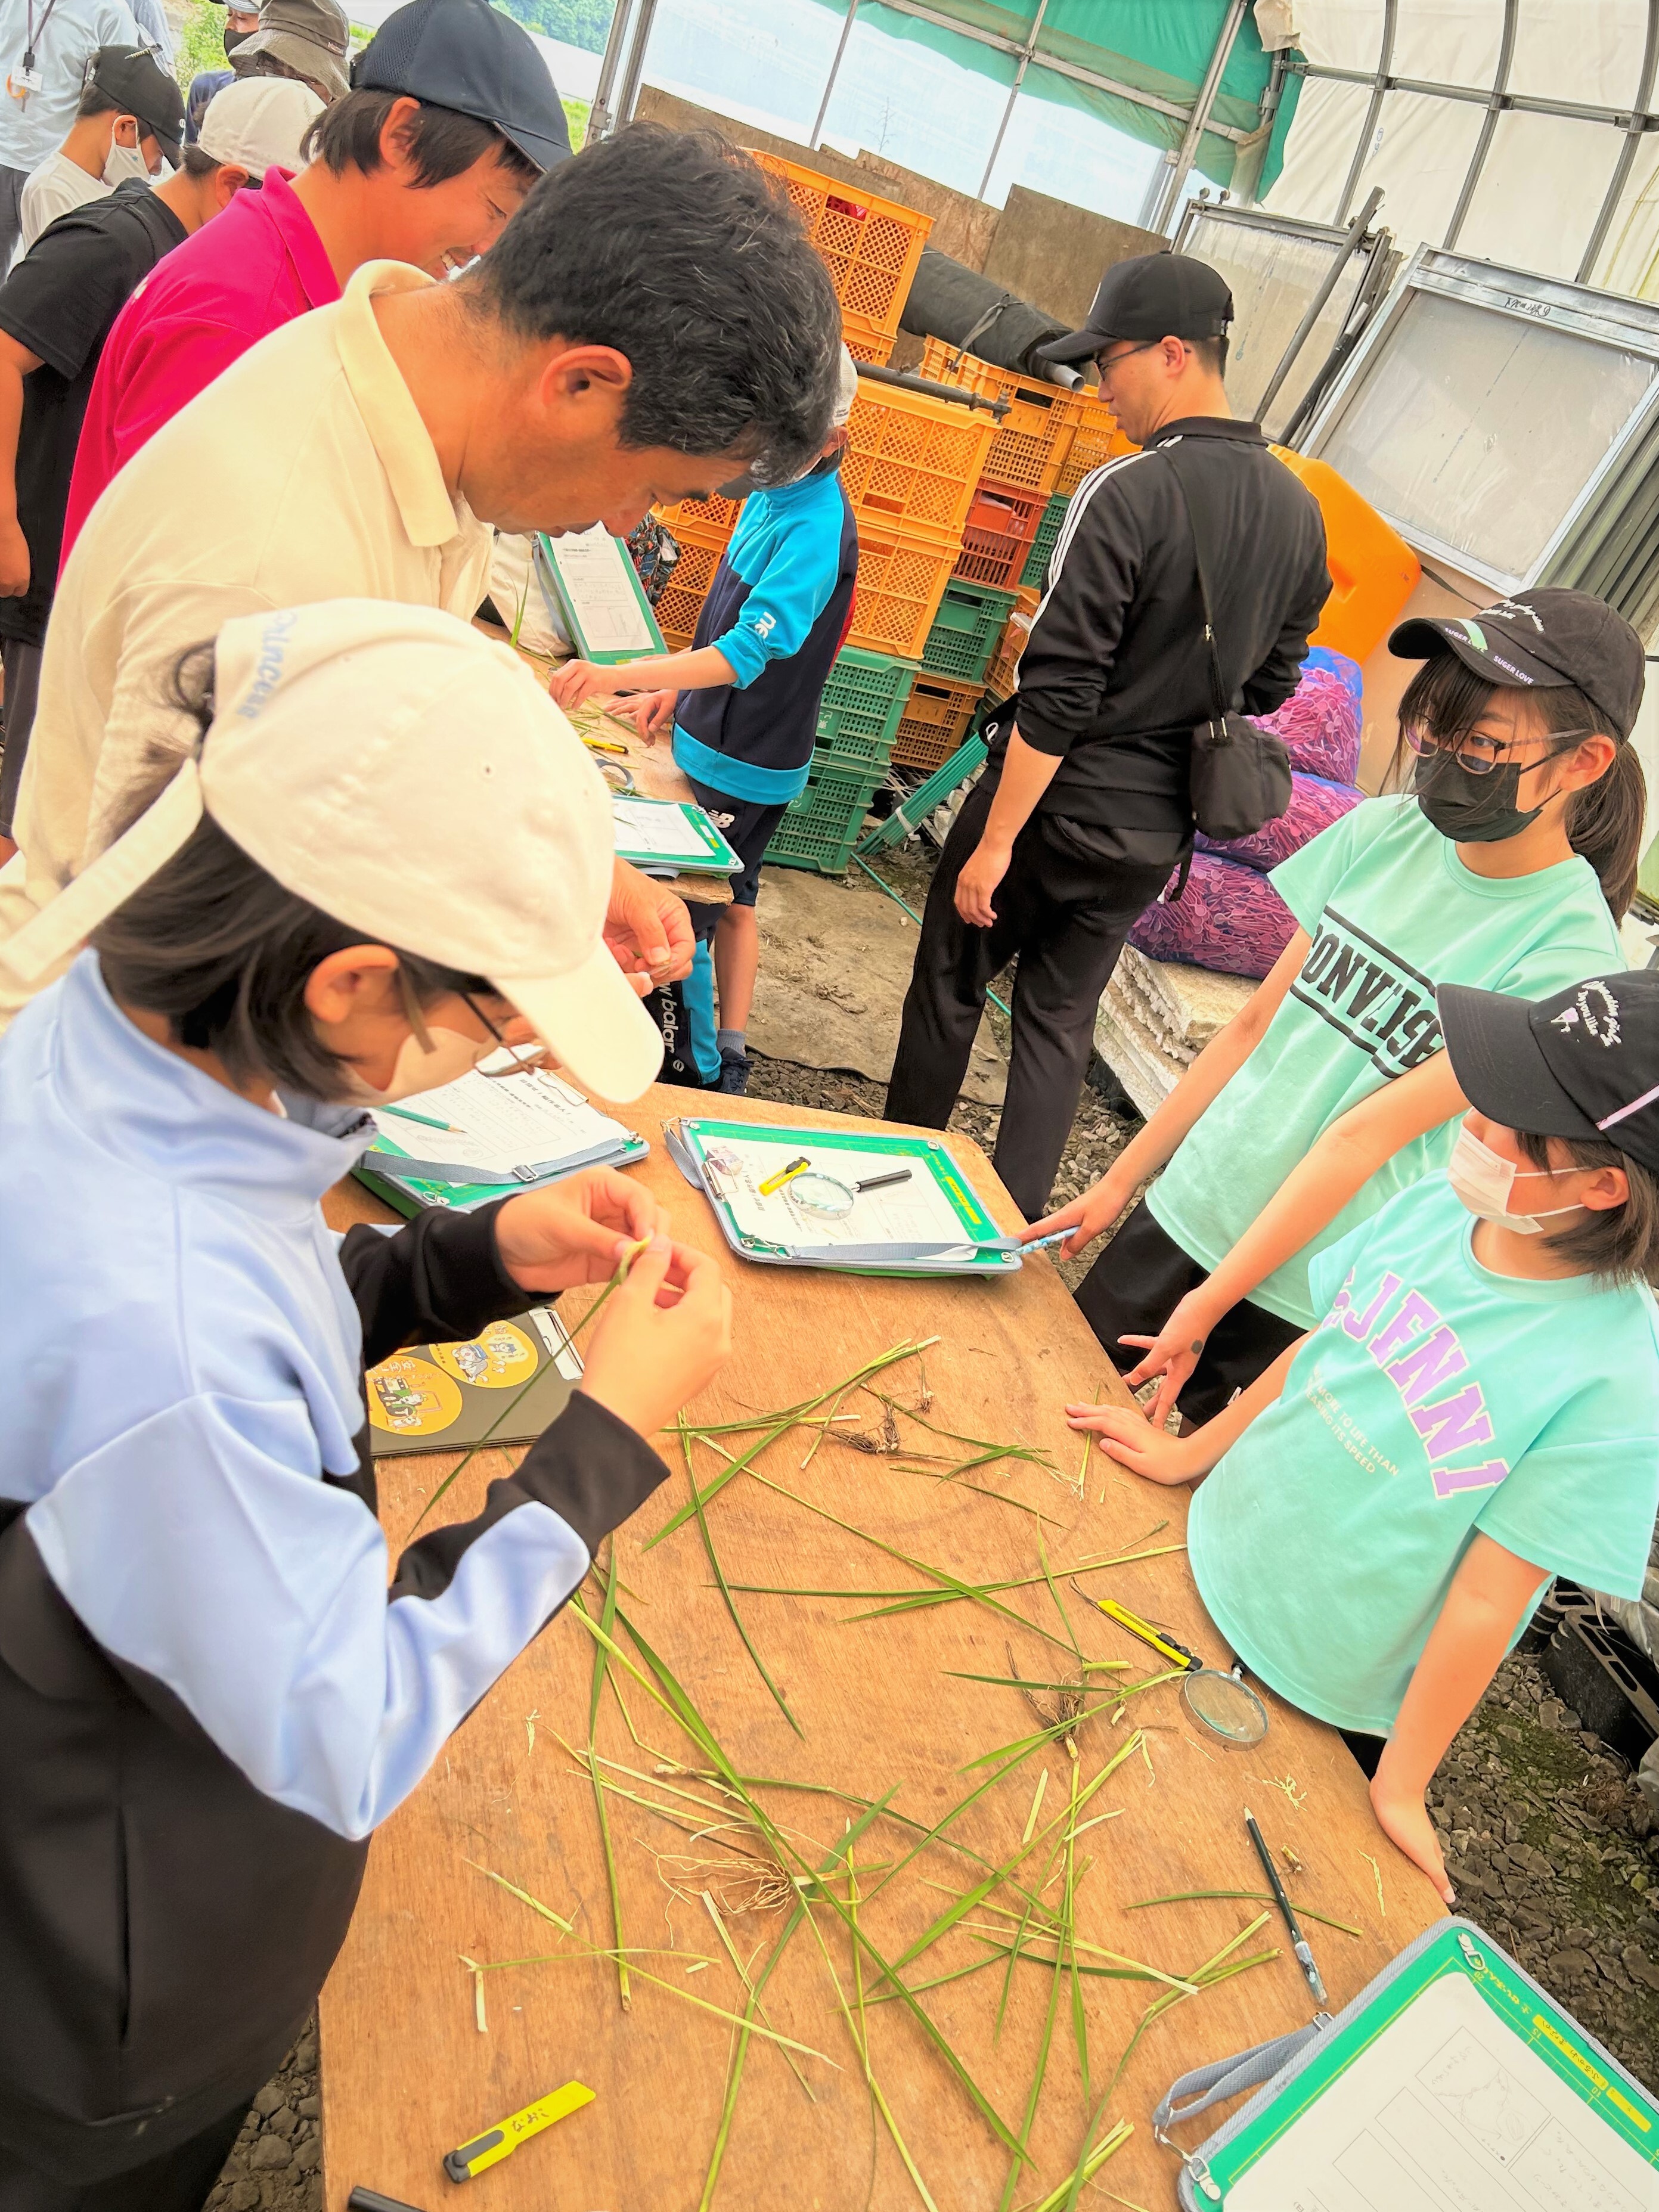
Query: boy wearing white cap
[58, 307]
[388, 850]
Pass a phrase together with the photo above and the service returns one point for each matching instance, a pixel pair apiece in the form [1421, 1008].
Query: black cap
[467, 55]
[1156, 295]
[133, 78]
[1544, 638]
[1584, 1063]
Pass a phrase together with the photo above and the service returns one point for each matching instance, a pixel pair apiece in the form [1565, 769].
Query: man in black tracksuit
[1082, 812]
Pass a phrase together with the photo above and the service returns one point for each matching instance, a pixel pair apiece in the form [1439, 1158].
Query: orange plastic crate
[910, 460]
[1096, 439]
[867, 340]
[998, 533]
[935, 721]
[871, 246]
[1030, 446]
[902, 578]
[698, 518]
[683, 596]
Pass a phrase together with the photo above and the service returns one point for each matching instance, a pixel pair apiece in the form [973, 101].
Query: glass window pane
[1541, 187]
[1481, 430]
[1592, 56]
[1448, 42]
[1274, 277]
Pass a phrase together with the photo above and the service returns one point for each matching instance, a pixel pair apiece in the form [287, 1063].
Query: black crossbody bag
[1240, 774]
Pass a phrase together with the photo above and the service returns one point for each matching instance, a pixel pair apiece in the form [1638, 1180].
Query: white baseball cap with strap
[410, 778]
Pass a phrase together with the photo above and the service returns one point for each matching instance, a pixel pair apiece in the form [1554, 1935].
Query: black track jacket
[1116, 672]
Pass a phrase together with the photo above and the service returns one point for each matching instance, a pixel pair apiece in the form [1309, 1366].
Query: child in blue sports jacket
[1476, 1410]
[744, 706]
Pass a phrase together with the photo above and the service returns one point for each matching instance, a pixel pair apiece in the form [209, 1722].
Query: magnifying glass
[828, 1198]
[1224, 1704]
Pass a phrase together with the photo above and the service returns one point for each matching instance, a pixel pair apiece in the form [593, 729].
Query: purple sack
[1315, 805]
[1323, 720]
[1229, 917]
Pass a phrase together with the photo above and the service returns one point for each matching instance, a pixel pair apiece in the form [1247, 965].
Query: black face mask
[1471, 810]
[233, 40]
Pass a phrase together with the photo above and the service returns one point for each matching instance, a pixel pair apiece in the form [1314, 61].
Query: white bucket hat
[411, 779]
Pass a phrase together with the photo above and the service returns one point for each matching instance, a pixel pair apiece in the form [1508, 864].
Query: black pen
[1304, 1957]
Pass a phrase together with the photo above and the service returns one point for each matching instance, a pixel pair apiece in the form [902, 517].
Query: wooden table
[654, 773]
[406, 2072]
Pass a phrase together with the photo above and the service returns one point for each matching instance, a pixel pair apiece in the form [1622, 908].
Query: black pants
[1135, 1285]
[1066, 911]
[22, 663]
[181, 2180]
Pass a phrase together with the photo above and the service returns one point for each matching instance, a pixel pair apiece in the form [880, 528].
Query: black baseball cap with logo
[1543, 638]
[466, 55]
[135, 80]
[1583, 1063]
[1155, 296]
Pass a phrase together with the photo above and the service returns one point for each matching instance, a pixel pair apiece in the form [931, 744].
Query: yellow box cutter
[503, 2139]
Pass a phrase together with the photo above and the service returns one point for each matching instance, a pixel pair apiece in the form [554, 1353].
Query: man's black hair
[676, 249]
[441, 143]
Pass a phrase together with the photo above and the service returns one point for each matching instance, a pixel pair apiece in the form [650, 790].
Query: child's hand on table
[1086, 1217]
[665, 1333]
[1174, 1352]
[579, 681]
[1404, 1820]
[1129, 1437]
[576, 1232]
[650, 712]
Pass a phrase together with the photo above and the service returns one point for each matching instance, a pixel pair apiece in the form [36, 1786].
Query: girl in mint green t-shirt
[1475, 1409]
[1504, 868]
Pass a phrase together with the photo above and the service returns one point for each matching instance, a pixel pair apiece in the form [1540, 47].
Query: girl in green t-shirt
[1505, 867]
[1476, 1410]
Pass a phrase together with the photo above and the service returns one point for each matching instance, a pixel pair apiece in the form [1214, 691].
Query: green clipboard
[1453, 2079]
[598, 601]
[671, 835]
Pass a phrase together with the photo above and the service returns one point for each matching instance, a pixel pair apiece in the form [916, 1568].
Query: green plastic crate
[821, 827]
[863, 701]
[963, 638]
[1035, 571]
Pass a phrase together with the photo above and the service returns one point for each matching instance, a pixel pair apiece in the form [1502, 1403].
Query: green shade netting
[1157, 47]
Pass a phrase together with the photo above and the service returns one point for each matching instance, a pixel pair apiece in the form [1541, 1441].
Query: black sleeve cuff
[1041, 735]
[589, 1467]
[437, 1279]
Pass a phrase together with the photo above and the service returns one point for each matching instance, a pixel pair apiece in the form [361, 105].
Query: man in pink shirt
[451, 119]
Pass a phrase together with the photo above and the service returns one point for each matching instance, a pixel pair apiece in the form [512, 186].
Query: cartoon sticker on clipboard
[499, 1359]
[411, 1397]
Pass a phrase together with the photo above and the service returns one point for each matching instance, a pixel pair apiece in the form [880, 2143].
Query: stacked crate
[858, 721]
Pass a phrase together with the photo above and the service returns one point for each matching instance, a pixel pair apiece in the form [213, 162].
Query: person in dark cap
[1475, 1408]
[451, 118]
[128, 123]
[1084, 810]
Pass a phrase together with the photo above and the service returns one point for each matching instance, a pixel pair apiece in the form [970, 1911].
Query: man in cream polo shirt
[582, 372]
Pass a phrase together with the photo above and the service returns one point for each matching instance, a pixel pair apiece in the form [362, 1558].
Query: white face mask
[452, 1054]
[125, 161]
[1484, 1180]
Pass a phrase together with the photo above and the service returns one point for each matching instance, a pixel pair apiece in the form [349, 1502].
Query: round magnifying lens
[1226, 1706]
[821, 1195]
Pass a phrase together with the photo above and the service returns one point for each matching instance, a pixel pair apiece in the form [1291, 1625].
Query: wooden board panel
[406, 2072]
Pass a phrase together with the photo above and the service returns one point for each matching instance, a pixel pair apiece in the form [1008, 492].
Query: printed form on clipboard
[881, 1204]
[670, 837]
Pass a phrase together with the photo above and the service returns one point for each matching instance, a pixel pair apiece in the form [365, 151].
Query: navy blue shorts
[747, 827]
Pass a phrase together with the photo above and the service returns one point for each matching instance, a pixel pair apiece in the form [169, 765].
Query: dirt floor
[1549, 1845]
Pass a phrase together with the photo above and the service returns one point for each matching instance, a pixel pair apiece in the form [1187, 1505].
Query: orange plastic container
[699, 518]
[871, 246]
[1096, 439]
[1035, 435]
[903, 574]
[999, 677]
[911, 460]
[935, 721]
[1373, 571]
[998, 535]
[867, 340]
[683, 596]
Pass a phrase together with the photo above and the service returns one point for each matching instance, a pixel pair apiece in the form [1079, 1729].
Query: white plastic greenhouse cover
[1543, 181]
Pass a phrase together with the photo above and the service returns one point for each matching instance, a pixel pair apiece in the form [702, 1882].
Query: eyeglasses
[1105, 363]
[526, 1059]
[1478, 755]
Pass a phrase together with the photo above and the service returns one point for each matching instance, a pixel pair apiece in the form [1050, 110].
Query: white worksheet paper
[1448, 2112]
[501, 1123]
[594, 570]
[659, 827]
[914, 1212]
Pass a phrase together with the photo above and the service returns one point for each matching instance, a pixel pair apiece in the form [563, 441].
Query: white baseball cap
[411, 779]
[259, 122]
[847, 388]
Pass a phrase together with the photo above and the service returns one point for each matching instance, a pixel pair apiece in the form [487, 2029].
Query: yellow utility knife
[503, 2139]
